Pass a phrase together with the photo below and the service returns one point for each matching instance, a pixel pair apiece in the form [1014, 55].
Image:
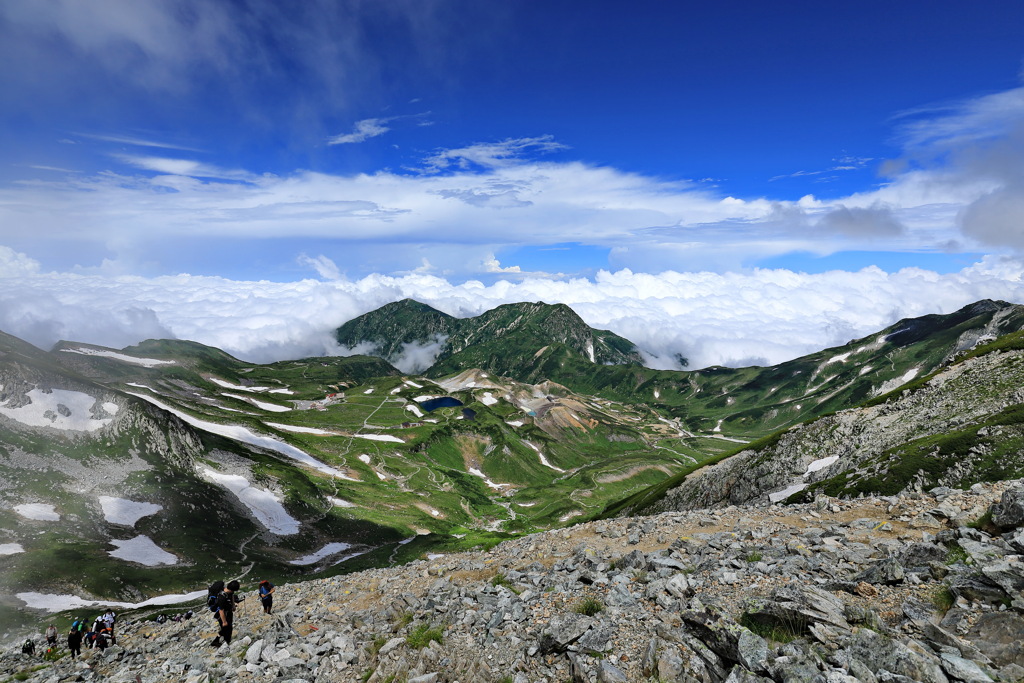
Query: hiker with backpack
[51, 636]
[267, 595]
[109, 618]
[225, 613]
[29, 648]
[75, 641]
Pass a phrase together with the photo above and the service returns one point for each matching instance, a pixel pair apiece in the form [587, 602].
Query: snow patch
[145, 362]
[47, 410]
[477, 473]
[657, 394]
[11, 548]
[413, 384]
[841, 358]
[488, 400]
[786, 492]
[127, 512]
[264, 505]
[379, 437]
[299, 430]
[142, 550]
[821, 464]
[61, 603]
[270, 407]
[365, 458]
[514, 423]
[543, 460]
[369, 391]
[239, 387]
[718, 427]
[340, 502]
[414, 410]
[239, 433]
[421, 399]
[326, 551]
[38, 511]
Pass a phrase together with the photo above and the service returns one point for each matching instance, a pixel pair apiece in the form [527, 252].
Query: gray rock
[678, 586]
[562, 631]
[608, 673]
[998, 636]
[425, 678]
[963, 669]
[887, 572]
[883, 654]
[1008, 513]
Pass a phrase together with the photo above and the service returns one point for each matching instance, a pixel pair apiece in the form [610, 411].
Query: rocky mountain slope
[921, 587]
[960, 425]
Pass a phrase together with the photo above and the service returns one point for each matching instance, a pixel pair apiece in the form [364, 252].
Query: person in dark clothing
[29, 648]
[75, 642]
[226, 613]
[267, 596]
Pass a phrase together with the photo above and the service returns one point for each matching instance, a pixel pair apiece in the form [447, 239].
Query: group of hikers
[222, 598]
[221, 601]
[96, 634]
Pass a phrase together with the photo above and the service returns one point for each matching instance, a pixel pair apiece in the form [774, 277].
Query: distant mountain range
[158, 467]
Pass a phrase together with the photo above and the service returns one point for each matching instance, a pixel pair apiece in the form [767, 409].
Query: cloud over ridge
[757, 317]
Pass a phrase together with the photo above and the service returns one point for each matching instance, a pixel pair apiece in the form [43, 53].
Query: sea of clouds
[757, 317]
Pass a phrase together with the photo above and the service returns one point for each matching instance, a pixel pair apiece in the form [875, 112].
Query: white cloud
[364, 130]
[325, 267]
[416, 357]
[763, 316]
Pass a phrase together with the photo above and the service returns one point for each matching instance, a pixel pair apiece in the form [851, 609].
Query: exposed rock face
[739, 594]
[973, 425]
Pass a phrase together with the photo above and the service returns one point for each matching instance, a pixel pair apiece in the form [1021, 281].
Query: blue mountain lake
[440, 402]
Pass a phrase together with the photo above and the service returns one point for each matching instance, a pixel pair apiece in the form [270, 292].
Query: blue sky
[500, 144]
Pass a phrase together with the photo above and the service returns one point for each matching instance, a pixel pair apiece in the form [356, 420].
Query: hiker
[51, 636]
[101, 641]
[29, 648]
[75, 642]
[109, 618]
[267, 595]
[226, 613]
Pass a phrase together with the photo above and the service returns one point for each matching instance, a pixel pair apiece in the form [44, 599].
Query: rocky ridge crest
[917, 587]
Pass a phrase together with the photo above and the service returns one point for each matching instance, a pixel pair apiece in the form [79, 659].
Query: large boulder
[1008, 513]
[998, 636]
[883, 654]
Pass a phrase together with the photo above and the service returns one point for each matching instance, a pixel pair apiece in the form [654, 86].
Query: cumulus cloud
[418, 356]
[763, 316]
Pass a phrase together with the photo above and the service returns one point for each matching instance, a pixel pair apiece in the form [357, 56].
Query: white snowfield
[134, 360]
[786, 492]
[487, 399]
[38, 511]
[326, 551]
[243, 434]
[543, 460]
[299, 430]
[61, 603]
[340, 502]
[514, 423]
[414, 409]
[240, 387]
[127, 512]
[379, 437]
[264, 505]
[477, 473]
[421, 399]
[11, 548]
[270, 407]
[45, 410]
[413, 384]
[143, 550]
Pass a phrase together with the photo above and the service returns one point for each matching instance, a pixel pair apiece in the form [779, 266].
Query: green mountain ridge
[503, 340]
